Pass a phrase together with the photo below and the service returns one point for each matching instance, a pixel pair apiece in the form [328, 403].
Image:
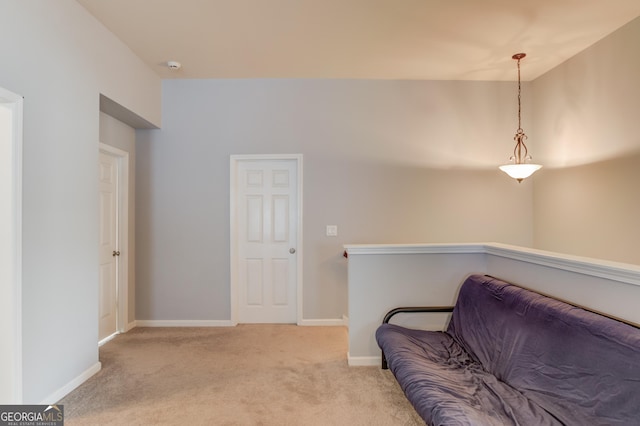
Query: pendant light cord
[520, 151]
[519, 99]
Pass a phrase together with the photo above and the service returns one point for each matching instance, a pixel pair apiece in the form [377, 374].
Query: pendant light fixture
[520, 167]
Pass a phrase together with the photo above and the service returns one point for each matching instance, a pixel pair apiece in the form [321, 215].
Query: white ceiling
[363, 39]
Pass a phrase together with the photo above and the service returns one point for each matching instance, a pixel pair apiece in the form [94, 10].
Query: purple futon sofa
[514, 357]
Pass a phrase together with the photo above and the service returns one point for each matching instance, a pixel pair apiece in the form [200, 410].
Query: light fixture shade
[520, 171]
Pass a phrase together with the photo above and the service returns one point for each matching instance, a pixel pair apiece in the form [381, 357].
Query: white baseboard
[322, 322]
[344, 321]
[107, 339]
[130, 326]
[363, 361]
[63, 391]
[184, 323]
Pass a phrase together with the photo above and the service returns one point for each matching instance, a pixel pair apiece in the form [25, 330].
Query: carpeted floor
[244, 375]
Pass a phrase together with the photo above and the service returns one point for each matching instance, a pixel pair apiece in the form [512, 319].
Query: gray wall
[386, 161]
[60, 59]
[586, 198]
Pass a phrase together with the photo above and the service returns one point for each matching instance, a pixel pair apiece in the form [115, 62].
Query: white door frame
[11, 264]
[234, 161]
[122, 265]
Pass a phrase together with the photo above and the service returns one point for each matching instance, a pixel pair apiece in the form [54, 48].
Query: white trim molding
[324, 322]
[66, 389]
[107, 339]
[363, 361]
[356, 249]
[11, 262]
[184, 323]
[344, 321]
[616, 271]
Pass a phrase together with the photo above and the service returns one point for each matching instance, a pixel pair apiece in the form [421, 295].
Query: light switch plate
[332, 230]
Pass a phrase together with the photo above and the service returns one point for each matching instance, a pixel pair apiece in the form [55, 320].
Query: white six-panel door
[266, 208]
[107, 310]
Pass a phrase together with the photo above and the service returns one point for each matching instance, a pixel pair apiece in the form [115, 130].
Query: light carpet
[244, 375]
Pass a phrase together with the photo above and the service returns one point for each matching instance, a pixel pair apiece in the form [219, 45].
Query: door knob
[116, 253]
[292, 250]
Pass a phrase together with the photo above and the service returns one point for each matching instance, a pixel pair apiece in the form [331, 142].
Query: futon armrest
[411, 310]
[415, 309]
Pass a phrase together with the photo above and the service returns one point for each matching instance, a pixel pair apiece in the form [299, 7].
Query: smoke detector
[174, 65]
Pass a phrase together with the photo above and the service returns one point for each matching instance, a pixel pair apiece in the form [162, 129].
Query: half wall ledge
[384, 276]
[617, 271]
